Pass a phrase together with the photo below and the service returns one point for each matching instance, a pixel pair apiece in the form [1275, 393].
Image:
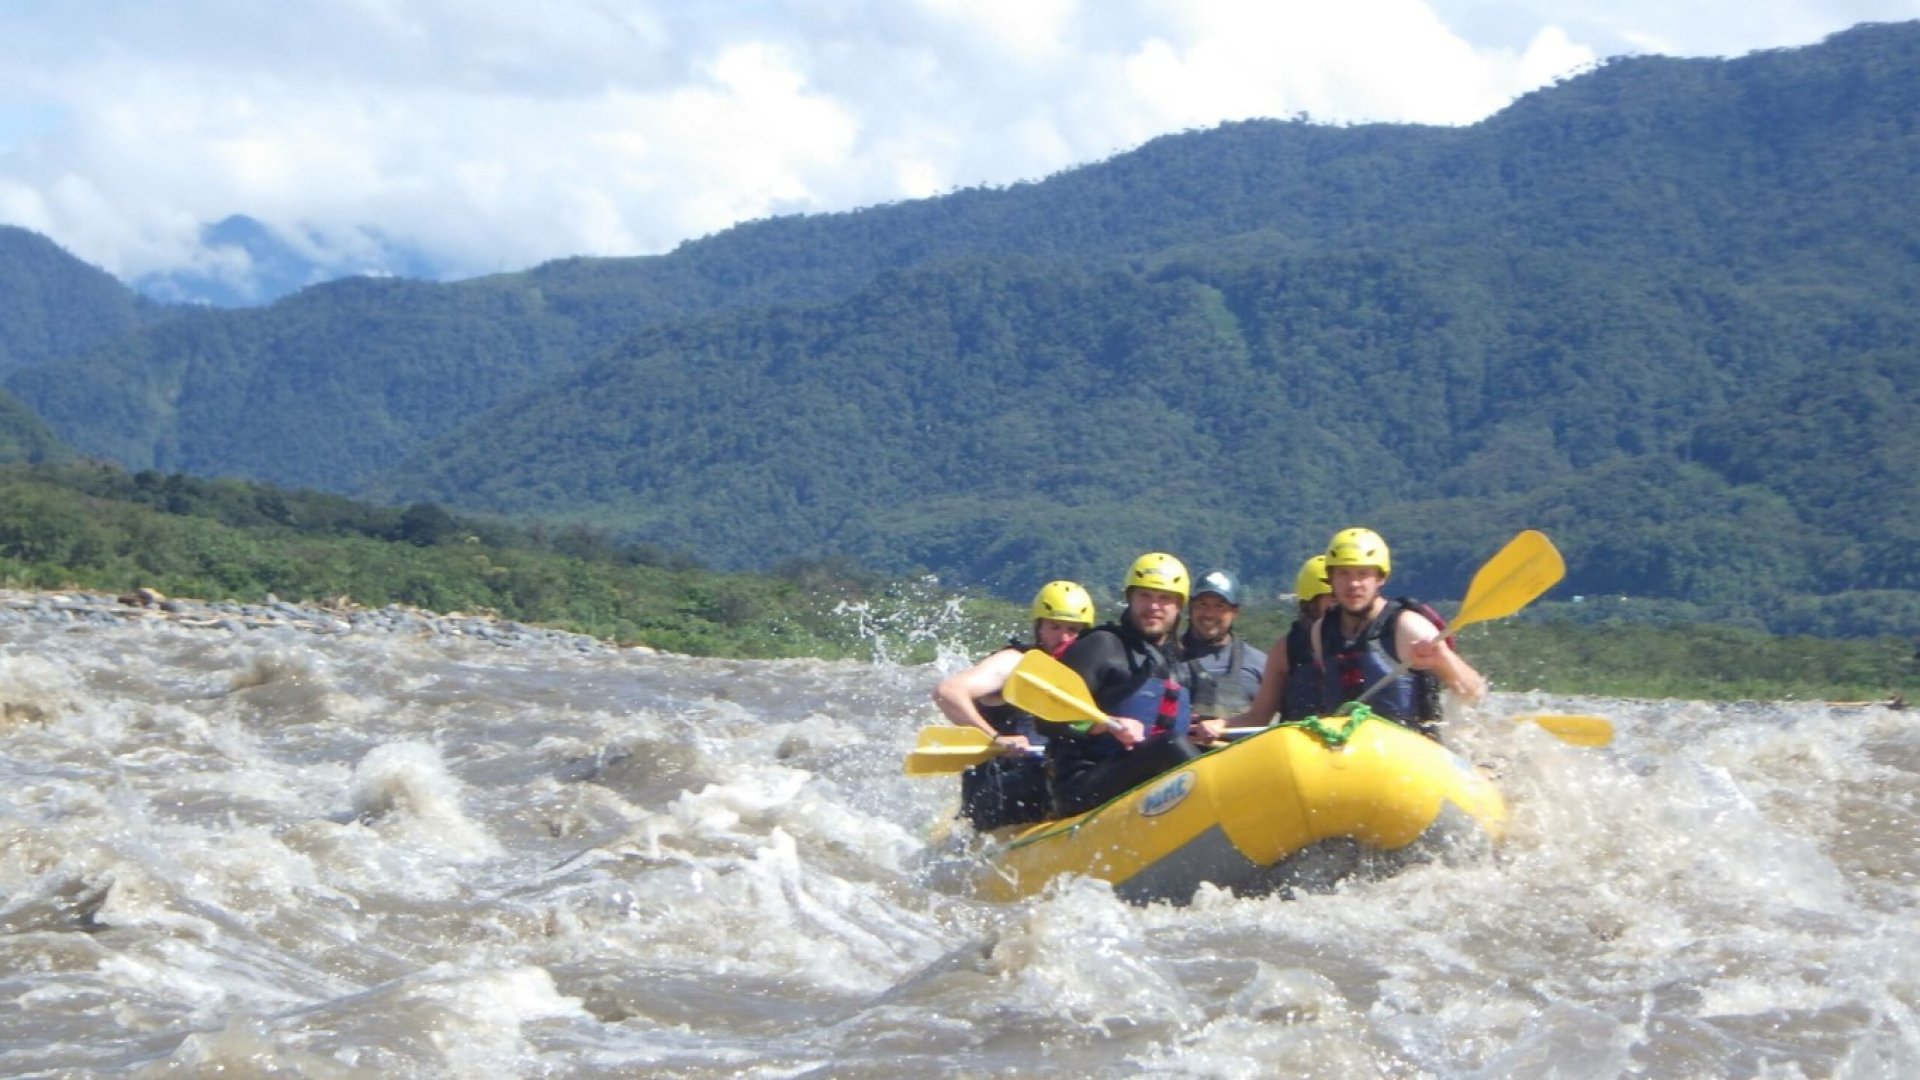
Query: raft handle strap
[1330, 734]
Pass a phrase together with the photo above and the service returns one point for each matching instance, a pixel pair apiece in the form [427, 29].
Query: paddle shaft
[1400, 667]
[942, 760]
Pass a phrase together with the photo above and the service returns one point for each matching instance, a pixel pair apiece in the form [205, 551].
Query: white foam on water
[1077, 952]
[445, 1020]
[245, 1046]
[482, 1015]
[405, 794]
[270, 851]
[720, 879]
[39, 690]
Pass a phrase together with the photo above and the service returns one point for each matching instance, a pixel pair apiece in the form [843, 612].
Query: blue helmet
[1219, 583]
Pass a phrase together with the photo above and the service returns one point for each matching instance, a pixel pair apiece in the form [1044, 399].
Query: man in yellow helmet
[1131, 668]
[1291, 685]
[1361, 640]
[1011, 789]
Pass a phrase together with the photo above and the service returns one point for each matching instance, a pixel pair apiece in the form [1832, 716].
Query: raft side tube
[1244, 808]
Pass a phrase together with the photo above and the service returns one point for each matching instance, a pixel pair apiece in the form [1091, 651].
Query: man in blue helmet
[1222, 672]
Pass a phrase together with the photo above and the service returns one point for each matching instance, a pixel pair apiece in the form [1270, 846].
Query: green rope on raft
[1330, 734]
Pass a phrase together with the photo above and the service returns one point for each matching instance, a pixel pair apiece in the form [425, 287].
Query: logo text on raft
[1167, 795]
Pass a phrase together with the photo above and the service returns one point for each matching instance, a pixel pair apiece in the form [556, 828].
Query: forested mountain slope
[1665, 308]
[24, 437]
[993, 422]
[1714, 161]
[52, 305]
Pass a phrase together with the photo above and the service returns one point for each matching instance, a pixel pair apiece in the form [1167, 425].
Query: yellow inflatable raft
[1231, 816]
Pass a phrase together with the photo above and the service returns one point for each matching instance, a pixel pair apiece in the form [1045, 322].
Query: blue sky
[495, 134]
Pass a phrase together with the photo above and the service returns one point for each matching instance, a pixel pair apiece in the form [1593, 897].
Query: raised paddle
[1528, 566]
[1051, 690]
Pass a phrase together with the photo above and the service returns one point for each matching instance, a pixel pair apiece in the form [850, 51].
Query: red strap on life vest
[1168, 714]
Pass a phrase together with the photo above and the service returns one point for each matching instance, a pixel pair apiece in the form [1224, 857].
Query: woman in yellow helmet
[1061, 611]
[1011, 789]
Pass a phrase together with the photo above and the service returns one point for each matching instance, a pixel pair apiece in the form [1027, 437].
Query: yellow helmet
[1063, 601]
[1158, 570]
[1359, 547]
[1312, 582]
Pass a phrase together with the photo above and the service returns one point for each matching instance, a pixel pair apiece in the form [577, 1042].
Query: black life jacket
[1354, 664]
[1300, 698]
[1152, 694]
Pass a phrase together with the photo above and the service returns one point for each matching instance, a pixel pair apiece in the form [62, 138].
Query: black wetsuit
[1127, 676]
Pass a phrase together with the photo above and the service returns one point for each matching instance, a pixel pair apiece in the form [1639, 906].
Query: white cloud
[1026, 28]
[1387, 60]
[1690, 28]
[495, 134]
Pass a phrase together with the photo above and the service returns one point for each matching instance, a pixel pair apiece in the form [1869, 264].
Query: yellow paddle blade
[1050, 690]
[1578, 730]
[938, 735]
[1528, 566]
[950, 749]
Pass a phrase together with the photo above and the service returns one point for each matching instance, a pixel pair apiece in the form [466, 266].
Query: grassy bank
[97, 528]
[1700, 662]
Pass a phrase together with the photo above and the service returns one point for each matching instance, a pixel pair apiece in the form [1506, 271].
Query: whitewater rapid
[310, 846]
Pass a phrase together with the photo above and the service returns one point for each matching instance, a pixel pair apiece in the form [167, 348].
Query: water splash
[914, 622]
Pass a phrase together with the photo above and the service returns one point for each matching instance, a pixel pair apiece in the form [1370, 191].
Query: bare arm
[1420, 642]
[956, 694]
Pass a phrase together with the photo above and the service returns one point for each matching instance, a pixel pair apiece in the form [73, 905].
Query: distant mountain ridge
[1228, 342]
[246, 263]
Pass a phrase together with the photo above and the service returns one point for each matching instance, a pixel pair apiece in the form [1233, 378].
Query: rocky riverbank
[234, 617]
